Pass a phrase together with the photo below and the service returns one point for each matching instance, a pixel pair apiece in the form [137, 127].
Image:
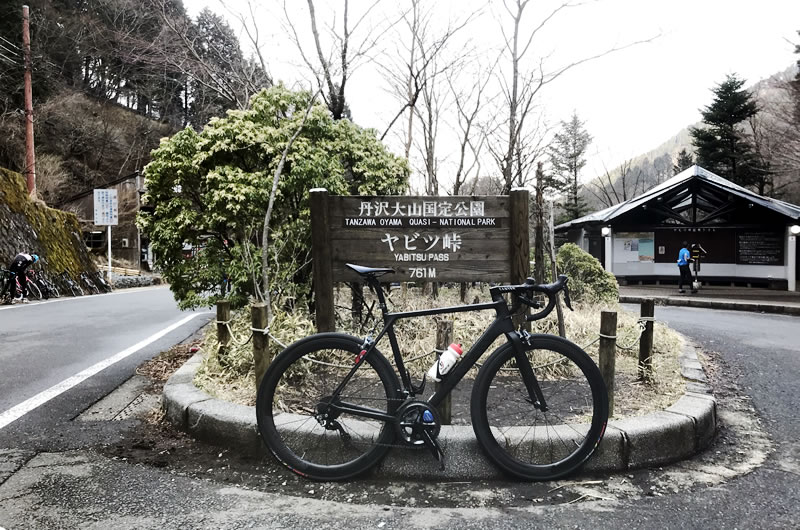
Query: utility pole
[30, 158]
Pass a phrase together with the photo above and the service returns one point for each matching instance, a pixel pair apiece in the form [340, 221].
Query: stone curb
[756, 307]
[659, 438]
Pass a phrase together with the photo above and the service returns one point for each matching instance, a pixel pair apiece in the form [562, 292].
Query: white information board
[106, 209]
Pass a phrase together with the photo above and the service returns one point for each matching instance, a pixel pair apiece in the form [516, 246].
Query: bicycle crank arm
[433, 445]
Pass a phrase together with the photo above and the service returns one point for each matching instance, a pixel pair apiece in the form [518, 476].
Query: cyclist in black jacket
[20, 262]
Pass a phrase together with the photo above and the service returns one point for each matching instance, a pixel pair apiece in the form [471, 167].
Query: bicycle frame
[502, 325]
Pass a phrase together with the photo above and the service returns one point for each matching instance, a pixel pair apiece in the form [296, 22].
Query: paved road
[748, 479]
[44, 344]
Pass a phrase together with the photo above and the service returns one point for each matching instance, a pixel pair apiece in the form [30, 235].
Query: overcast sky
[632, 100]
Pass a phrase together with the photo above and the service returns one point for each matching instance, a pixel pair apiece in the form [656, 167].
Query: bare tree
[614, 190]
[775, 135]
[332, 69]
[215, 63]
[520, 87]
[415, 61]
[264, 293]
[471, 138]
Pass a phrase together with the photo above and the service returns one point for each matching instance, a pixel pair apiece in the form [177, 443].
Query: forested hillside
[775, 131]
[111, 77]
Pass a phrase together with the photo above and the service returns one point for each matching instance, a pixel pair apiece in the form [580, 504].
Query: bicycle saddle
[367, 271]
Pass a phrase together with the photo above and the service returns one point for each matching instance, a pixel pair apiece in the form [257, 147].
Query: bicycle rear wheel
[295, 418]
[519, 438]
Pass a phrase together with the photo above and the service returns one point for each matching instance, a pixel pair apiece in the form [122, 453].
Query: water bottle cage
[439, 374]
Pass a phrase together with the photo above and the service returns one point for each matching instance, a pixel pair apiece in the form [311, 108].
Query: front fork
[519, 341]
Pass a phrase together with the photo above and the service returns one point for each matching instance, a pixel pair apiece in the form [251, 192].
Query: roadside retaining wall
[28, 225]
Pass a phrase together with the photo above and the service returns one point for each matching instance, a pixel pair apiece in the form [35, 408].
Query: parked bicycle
[101, 282]
[52, 288]
[36, 286]
[73, 287]
[88, 284]
[33, 290]
[330, 406]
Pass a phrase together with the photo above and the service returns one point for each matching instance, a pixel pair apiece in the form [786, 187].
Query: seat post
[375, 285]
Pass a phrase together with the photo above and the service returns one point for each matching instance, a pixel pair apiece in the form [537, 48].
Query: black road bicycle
[330, 406]
[101, 282]
[88, 284]
[73, 287]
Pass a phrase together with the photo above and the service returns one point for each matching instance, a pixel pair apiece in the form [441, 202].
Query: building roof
[695, 172]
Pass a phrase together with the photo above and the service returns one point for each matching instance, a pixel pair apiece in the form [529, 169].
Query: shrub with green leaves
[589, 282]
[211, 190]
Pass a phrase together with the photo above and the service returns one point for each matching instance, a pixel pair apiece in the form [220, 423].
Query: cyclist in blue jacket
[684, 258]
[18, 265]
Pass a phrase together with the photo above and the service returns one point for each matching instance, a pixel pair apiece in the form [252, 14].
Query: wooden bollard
[646, 342]
[444, 336]
[223, 332]
[607, 352]
[261, 360]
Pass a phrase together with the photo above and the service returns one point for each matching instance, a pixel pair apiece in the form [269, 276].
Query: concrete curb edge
[658, 438]
[756, 307]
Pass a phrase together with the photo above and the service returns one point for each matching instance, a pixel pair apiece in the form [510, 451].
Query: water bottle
[446, 361]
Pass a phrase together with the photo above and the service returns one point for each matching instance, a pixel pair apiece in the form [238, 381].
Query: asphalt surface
[747, 479]
[44, 343]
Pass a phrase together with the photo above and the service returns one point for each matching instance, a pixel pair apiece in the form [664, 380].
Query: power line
[91, 191]
[10, 51]
[10, 43]
[9, 60]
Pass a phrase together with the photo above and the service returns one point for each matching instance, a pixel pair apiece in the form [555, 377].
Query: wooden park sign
[440, 239]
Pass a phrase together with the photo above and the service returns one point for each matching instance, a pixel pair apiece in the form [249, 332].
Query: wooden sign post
[430, 239]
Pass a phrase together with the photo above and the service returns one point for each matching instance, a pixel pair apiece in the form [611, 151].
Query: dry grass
[231, 377]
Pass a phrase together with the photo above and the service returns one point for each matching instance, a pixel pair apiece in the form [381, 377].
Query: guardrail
[126, 272]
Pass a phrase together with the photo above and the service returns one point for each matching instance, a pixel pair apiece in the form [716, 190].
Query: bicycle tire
[34, 290]
[45, 290]
[290, 399]
[520, 439]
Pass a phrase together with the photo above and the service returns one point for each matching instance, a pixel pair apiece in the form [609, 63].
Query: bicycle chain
[391, 445]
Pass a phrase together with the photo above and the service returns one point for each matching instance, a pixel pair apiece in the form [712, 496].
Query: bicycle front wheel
[34, 291]
[300, 418]
[519, 437]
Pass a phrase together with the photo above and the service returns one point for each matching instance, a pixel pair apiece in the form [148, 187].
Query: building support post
[791, 258]
[608, 236]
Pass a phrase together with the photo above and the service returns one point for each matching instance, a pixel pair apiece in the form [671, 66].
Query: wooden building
[748, 239]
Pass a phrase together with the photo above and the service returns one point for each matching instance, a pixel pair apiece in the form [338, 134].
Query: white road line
[84, 297]
[41, 398]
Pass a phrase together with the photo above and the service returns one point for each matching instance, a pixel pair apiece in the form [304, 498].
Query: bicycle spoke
[534, 443]
[322, 440]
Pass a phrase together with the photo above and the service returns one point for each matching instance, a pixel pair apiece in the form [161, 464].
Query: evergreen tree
[720, 145]
[683, 162]
[568, 157]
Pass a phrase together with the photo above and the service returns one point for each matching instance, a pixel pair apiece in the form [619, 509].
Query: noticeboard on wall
[759, 248]
[634, 247]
